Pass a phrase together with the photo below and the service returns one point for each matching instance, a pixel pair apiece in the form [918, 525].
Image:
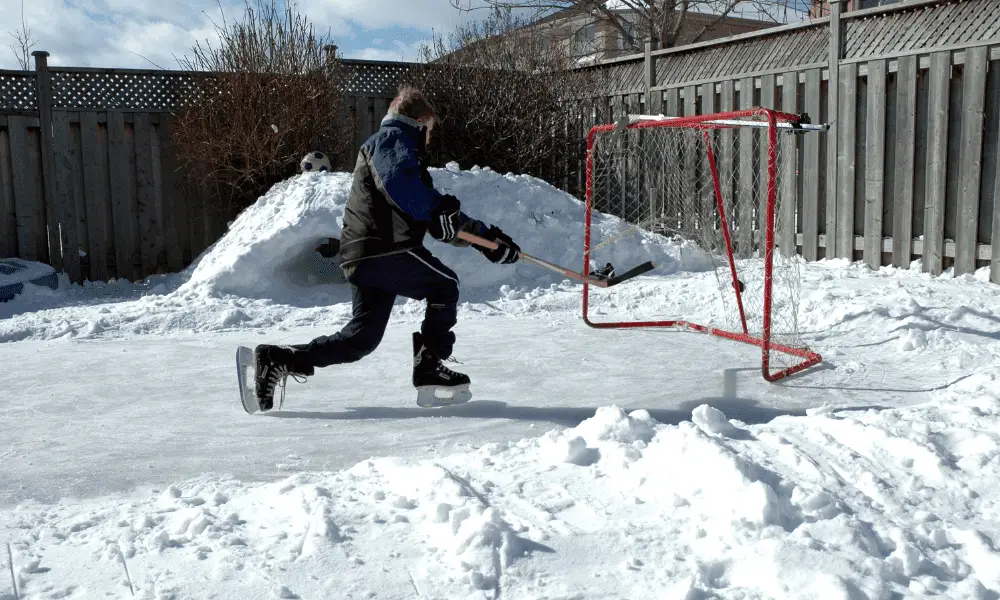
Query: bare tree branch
[22, 51]
[265, 94]
[664, 20]
[500, 92]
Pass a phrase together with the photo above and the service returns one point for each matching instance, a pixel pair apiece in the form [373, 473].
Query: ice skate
[436, 384]
[272, 366]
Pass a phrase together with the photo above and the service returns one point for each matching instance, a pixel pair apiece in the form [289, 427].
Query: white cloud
[82, 35]
[117, 33]
[398, 52]
[424, 14]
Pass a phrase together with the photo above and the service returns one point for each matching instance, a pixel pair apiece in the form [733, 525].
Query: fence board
[79, 198]
[811, 169]
[725, 158]
[745, 188]
[995, 234]
[196, 216]
[970, 163]
[707, 203]
[215, 221]
[47, 244]
[789, 198]
[937, 155]
[65, 200]
[95, 186]
[905, 150]
[8, 216]
[768, 99]
[991, 146]
[156, 178]
[145, 195]
[690, 178]
[671, 102]
[176, 235]
[120, 177]
[874, 158]
[655, 103]
[847, 157]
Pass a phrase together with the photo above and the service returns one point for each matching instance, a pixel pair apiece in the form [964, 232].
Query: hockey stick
[599, 282]
[13, 578]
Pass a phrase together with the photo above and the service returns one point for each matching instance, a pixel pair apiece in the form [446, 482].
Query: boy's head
[411, 102]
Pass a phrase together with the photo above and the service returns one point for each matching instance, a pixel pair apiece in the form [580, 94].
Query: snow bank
[869, 504]
[263, 253]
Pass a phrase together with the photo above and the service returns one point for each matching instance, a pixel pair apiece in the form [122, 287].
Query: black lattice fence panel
[17, 91]
[374, 78]
[119, 89]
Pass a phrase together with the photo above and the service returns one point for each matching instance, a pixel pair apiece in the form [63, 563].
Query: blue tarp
[15, 272]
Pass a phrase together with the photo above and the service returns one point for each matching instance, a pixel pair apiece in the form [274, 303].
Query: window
[628, 41]
[585, 40]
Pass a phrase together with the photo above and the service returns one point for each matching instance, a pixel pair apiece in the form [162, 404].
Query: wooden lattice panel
[17, 91]
[788, 49]
[119, 89]
[621, 77]
[374, 77]
[926, 26]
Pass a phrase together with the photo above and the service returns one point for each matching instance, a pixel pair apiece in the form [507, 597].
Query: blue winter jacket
[392, 198]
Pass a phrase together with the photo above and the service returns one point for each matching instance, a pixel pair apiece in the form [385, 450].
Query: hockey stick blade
[633, 272]
[600, 282]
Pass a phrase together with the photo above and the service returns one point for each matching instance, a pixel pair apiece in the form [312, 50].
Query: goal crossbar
[734, 121]
[757, 118]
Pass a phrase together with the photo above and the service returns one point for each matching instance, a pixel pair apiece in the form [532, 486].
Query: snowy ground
[592, 464]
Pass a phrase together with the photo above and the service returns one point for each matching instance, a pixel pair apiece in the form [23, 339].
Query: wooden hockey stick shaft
[480, 241]
[13, 577]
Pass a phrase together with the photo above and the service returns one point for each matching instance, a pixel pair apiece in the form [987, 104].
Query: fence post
[649, 64]
[43, 90]
[833, 104]
[330, 53]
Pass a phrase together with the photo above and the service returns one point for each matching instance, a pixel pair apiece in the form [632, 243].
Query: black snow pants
[375, 284]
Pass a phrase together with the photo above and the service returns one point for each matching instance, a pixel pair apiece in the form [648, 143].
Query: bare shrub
[501, 94]
[265, 96]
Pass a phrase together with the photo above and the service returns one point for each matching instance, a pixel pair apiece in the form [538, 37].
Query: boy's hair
[411, 102]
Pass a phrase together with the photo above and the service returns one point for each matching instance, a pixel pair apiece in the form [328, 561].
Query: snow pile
[265, 270]
[262, 254]
[872, 504]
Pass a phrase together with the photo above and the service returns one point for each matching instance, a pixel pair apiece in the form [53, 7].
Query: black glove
[445, 219]
[507, 251]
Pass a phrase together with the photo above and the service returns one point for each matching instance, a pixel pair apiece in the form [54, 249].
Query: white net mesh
[667, 178]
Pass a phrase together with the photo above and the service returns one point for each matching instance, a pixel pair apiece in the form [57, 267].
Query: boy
[392, 203]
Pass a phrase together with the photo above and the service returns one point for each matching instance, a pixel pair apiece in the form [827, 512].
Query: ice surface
[592, 464]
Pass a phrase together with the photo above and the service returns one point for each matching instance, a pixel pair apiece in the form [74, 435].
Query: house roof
[699, 17]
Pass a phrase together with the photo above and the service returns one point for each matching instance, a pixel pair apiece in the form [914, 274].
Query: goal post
[719, 188]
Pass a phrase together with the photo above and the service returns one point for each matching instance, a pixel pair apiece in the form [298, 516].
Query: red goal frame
[708, 123]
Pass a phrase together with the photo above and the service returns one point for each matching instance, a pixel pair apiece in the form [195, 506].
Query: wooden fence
[910, 167]
[100, 196]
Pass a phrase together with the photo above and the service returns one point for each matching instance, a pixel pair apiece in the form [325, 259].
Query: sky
[157, 33]
[128, 34]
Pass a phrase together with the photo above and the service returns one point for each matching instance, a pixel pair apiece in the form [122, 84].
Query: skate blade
[244, 370]
[427, 396]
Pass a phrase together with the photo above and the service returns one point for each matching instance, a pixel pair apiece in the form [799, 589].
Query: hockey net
[725, 183]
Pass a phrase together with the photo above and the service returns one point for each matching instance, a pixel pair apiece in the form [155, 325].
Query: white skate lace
[278, 374]
[281, 374]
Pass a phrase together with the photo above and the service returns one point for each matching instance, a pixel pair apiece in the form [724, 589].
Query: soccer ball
[315, 161]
